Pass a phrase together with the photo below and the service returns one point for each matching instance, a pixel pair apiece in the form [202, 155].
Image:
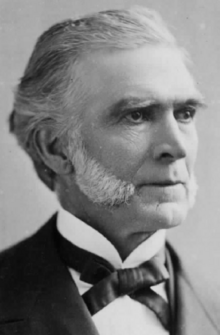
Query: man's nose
[169, 140]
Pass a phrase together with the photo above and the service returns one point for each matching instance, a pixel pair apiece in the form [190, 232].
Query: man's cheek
[191, 160]
[124, 158]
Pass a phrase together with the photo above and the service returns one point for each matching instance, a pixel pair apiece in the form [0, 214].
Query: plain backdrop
[25, 203]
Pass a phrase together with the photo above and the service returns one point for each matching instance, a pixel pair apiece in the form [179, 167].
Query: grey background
[25, 203]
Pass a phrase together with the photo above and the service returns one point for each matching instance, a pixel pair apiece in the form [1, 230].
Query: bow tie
[110, 284]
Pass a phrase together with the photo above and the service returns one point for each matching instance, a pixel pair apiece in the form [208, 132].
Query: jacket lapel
[59, 308]
[192, 317]
[194, 306]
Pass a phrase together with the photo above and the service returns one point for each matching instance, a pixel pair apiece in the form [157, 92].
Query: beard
[98, 184]
[104, 188]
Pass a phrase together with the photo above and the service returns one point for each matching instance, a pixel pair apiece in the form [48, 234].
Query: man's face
[139, 125]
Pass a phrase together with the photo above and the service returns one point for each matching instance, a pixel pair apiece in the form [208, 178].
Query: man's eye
[135, 116]
[185, 114]
[139, 116]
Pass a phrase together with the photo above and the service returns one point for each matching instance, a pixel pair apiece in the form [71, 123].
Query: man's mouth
[164, 183]
[163, 191]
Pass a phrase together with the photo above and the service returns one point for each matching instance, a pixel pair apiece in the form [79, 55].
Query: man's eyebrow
[130, 103]
[196, 102]
[126, 104]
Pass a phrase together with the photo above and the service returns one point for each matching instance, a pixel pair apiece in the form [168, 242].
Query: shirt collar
[86, 237]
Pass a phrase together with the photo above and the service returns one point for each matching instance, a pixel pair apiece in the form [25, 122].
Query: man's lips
[163, 183]
[162, 191]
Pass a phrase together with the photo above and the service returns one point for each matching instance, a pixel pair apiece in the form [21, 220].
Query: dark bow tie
[109, 283]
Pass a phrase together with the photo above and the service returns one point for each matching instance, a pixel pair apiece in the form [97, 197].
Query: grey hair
[95, 181]
[50, 92]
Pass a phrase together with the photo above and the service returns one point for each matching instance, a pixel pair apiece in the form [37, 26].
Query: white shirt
[124, 315]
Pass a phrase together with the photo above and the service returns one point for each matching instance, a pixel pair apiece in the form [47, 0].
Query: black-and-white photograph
[110, 167]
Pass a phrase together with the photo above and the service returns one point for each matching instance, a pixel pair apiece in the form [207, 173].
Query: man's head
[106, 111]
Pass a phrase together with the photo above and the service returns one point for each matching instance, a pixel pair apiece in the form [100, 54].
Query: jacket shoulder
[12, 258]
[20, 269]
[13, 254]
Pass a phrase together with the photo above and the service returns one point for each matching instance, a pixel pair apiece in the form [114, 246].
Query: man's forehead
[147, 55]
[139, 77]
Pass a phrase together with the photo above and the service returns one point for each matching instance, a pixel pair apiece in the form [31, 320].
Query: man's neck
[95, 216]
[86, 237]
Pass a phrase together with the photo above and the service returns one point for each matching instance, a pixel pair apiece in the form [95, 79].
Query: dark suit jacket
[39, 297]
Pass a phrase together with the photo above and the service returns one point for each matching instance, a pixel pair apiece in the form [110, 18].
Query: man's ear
[51, 152]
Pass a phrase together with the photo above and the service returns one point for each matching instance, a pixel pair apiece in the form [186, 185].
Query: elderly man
[106, 111]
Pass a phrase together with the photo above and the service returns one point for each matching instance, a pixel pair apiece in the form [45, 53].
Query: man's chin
[164, 215]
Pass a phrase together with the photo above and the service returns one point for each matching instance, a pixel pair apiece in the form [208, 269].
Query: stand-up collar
[86, 237]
